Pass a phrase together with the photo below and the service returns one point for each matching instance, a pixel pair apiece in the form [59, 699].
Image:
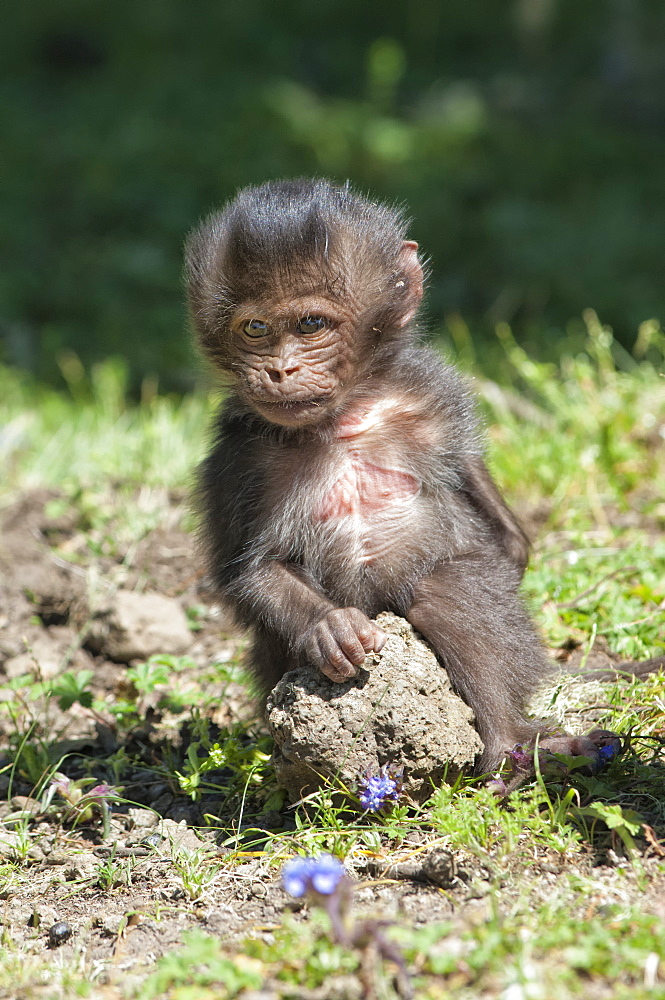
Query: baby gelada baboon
[347, 474]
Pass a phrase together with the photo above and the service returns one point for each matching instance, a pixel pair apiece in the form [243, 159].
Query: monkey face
[295, 358]
[299, 290]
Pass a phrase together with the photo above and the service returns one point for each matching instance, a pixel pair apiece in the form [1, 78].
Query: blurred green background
[527, 138]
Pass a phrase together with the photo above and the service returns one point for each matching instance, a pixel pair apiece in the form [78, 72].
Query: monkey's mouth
[288, 410]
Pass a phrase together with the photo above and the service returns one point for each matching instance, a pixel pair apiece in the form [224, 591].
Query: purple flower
[607, 753]
[321, 874]
[98, 793]
[521, 759]
[65, 787]
[375, 791]
[324, 878]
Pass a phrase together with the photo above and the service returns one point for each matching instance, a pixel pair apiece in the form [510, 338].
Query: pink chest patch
[366, 489]
[370, 499]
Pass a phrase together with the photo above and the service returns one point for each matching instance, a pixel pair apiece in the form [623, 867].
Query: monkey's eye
[310, 324]
[255, 328]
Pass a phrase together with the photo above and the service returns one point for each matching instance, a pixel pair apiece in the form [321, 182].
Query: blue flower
[296, 874]
[321, 874]
[327, 873]
[607, 753]
[374, 791]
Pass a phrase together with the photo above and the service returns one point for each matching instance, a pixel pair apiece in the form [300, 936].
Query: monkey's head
[297, 290]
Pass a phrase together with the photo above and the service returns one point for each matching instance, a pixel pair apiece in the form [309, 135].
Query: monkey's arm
[483, 493]
[275, 596]
[261, 586]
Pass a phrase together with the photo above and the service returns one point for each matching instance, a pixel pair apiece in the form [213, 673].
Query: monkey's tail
[629, 668]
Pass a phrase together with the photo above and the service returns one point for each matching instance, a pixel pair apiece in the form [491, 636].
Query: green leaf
[71, 688]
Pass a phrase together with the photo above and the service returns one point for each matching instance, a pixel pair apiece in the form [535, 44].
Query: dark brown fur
[346, 476]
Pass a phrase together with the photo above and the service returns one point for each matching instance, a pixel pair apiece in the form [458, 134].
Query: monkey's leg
[470, 613]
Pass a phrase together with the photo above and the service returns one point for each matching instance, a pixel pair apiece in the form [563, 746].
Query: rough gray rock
[401, 710]
[135, 626]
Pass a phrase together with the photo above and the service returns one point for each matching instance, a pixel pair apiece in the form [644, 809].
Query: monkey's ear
[411, 278]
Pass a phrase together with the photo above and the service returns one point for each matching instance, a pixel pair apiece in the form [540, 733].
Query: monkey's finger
[379, 639]
[326, 668]
[359, 628]
[315, 655]
[333, 656]
[355, 650]
[350, 630]
[335, 675]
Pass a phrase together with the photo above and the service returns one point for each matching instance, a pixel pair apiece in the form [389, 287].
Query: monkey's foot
[558, 755]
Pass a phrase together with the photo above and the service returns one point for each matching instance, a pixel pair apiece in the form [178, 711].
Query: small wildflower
[98, 794]
[65, 787]
[324, 879]
[321, 875]
[375, 791]
[81, 803]
[497, 786]
[520, 758]
[606, 754]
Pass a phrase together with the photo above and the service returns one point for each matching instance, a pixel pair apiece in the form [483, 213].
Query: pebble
[25, 803]
[163, 803]
[136, 625]
[152, 840]
[141, 818]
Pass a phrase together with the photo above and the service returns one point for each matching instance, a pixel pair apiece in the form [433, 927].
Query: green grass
[580, 450]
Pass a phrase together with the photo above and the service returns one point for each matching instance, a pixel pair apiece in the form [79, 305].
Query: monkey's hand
[340, 641]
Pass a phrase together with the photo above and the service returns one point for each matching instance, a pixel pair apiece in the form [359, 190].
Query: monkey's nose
[279, 374]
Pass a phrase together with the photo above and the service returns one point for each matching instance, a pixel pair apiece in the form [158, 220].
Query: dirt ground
[127, 899]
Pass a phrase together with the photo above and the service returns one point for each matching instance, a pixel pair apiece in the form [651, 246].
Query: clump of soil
[399, 710]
